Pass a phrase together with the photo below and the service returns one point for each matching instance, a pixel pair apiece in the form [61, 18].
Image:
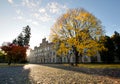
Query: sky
[40, 15]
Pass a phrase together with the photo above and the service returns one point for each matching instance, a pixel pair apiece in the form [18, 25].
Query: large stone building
[45, 53]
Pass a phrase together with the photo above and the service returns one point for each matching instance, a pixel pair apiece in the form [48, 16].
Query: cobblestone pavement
[14, 75]
[53, 74]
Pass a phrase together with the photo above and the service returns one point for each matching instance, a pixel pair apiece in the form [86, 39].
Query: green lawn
[98, 65]
[12, 65]
[112, 66]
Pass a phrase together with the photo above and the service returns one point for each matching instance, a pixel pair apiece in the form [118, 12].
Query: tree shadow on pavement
[15, 75]
[115, 73]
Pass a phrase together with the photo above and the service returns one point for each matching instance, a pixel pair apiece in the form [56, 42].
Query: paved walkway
[54, 74]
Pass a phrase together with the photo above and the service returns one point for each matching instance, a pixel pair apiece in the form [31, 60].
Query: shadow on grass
[115, 73]
[15, 75]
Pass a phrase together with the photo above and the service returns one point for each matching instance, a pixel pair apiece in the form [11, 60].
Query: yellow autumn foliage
[79, 29]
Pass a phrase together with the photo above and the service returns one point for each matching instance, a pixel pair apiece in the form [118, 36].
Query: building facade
[45, 53]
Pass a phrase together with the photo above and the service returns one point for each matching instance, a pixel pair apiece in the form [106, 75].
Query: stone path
[14, 75]
[53, 74]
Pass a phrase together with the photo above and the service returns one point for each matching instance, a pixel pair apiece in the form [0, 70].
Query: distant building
[31, 57]
[45, 53]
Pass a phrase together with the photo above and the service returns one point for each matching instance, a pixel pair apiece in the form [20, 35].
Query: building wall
[43, 54]
[46, 54]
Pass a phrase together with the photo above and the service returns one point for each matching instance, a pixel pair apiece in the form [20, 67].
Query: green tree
[27, 33]
[23, 38]
[107, 56]
[2, 57]
[21, 44]
[15, 41]
[116, 41]
[20, 40]
[77, 31]
[16, 51]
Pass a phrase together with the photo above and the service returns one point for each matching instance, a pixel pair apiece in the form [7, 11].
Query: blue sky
[40, 15]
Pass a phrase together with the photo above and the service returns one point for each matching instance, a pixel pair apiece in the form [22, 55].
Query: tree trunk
[9, 62]
[76, 53]
[76, 58]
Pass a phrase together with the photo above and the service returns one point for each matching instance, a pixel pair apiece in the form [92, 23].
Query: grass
[12, 65]
[111, 66]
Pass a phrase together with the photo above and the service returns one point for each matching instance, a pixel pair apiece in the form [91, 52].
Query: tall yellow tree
[77, 31]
